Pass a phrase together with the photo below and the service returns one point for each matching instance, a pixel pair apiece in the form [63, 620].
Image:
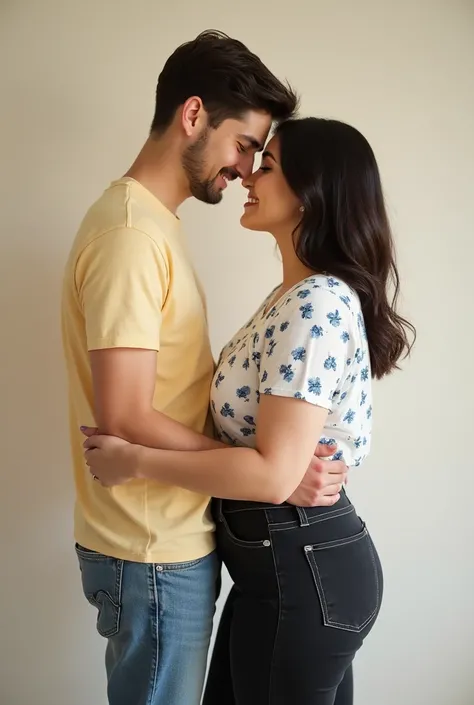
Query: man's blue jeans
[157, 619]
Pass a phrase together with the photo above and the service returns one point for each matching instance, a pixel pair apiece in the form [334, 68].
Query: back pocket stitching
[115, 601]
[319, 586]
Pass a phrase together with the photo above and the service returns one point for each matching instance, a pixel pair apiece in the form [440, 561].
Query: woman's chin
[250, 222]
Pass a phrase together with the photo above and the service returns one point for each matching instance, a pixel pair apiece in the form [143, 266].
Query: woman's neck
[294, 270]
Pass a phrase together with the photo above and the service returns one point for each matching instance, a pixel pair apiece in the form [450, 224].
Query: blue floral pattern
[311, 344]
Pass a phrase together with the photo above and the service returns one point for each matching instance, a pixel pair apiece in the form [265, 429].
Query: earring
[301, 209]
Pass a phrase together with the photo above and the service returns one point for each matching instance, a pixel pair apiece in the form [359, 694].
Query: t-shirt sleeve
[307, 347]
[122, 282]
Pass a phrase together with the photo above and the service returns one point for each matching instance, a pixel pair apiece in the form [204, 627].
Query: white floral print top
[310, 345]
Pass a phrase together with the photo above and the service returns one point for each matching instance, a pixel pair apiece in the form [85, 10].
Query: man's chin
[212, 198]
[216, 198]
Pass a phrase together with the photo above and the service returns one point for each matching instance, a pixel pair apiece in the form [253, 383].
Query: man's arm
[269, 473]
[124, 383]
[122, 280]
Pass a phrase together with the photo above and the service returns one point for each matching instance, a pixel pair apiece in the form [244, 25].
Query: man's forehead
[253, 129]
[252, 141]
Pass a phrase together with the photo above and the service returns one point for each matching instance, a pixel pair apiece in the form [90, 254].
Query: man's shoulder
[107, 213]
[119, 213]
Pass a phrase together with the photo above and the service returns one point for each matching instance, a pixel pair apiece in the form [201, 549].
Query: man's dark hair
[228, 77]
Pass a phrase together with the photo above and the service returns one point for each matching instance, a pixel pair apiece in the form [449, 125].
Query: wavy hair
[344, 229]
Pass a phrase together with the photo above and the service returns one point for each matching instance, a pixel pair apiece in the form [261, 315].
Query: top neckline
[267, 308]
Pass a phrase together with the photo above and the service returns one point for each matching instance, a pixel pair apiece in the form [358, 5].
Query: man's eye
[241, 148]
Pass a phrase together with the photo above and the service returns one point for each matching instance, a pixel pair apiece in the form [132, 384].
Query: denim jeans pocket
[187, 565]
[226, 522]
[102, 585]
[347, 576]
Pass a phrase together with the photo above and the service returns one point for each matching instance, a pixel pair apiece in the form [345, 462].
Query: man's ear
[193, 116]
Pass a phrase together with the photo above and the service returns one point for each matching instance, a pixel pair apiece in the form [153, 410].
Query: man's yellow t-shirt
[129, 283]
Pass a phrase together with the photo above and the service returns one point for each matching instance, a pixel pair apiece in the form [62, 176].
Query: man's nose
[245, 168]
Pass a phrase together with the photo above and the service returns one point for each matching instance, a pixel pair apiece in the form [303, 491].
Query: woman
[307, 583]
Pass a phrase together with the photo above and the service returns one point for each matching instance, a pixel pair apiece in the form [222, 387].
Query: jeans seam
[311, 520]
[118, 582]
[155, 632]
[118, 587]
[256, 509]
[376, 572]
[339, 543]
[277, 630]
[185, 565]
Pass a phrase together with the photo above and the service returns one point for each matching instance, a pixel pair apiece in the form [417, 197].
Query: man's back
[129, 284]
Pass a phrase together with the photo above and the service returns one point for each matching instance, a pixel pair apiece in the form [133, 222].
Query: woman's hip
[300, 557]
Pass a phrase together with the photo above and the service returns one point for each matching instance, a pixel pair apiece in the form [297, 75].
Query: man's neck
[158, 168]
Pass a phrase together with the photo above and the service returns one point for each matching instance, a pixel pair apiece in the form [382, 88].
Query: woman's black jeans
[307, 590]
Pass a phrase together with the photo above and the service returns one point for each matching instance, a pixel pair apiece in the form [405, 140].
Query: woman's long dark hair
[344, 228]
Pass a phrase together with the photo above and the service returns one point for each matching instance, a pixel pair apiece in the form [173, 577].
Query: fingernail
[83, 428]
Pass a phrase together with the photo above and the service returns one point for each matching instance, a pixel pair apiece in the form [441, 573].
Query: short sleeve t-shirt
[129, 283]
[310, 345]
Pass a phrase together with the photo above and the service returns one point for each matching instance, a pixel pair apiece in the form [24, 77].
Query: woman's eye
[265, 168]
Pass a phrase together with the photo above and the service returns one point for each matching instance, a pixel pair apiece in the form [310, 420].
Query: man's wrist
[140, 461]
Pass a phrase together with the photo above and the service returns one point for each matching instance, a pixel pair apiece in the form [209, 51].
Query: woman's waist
[282, 515]
[253, 524]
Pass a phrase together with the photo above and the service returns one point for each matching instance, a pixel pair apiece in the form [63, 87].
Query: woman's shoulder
[320, 292]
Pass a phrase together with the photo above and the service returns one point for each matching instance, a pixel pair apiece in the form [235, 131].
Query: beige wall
[76, 97]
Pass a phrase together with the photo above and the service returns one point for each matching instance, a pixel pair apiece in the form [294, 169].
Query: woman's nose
[247, 182]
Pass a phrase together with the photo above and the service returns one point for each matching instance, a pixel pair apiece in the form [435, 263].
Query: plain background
[77, 91]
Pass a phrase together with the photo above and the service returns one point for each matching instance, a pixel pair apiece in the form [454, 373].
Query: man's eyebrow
[254, 143]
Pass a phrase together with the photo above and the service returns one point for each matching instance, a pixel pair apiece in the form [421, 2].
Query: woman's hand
[323, 481]
[111, 460]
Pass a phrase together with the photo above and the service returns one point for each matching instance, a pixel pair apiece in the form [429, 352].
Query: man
[140, 367]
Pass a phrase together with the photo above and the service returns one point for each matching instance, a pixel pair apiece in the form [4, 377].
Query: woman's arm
[312, 355]
[287, 432]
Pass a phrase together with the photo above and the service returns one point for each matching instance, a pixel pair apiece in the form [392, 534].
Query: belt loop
[218, 509]
[302, 516]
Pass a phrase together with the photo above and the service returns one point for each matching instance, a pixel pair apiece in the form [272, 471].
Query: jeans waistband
[284, 513]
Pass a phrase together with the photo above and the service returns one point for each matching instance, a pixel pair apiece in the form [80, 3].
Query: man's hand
[323, 481]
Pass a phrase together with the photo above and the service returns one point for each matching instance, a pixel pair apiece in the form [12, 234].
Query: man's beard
[193, 161]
